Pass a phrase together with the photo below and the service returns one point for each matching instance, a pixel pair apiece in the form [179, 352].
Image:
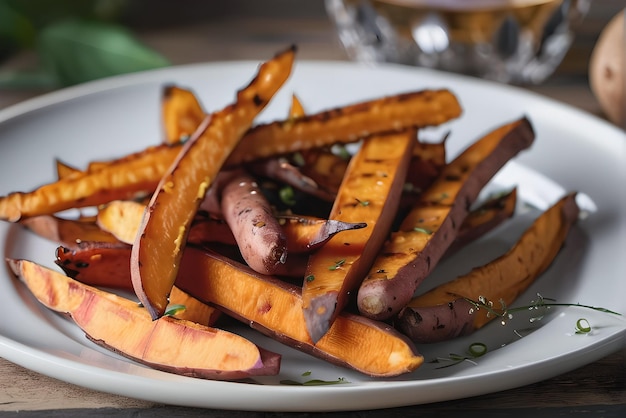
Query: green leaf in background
[16, 31]
[76, 51]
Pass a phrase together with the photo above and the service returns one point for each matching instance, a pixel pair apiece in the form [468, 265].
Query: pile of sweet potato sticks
[274, 225]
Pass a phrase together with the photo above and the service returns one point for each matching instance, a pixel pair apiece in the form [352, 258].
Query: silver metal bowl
[511, 41]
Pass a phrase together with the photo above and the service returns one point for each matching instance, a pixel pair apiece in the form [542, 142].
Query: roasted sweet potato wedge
[169, 344]
[369, 193]
[181, 113]
[275, 308]
[162, 235]
[123, 179]
[445, 312]
[348, 124]
[432, 225]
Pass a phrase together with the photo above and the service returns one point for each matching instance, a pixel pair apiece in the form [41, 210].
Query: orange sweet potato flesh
[274, 307]
[181, 113]
[169, 344]
[68, 232]
[107, 266]
[445, 312]
[348, 124]
[432, 225]
[122, 179]
[162, 235]
[369, 193]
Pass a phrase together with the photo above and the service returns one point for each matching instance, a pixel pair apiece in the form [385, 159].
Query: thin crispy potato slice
[445, 312]
[432, 225]
[369, 193]
[162, 235]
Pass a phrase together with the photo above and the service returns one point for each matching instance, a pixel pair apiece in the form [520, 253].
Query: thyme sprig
[474, 351]
[541, 305]
[313, 382]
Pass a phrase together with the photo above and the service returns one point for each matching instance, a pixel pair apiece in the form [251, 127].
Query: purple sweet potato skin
[438, 323]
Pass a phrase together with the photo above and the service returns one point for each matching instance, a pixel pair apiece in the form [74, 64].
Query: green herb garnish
[174, 309]
[337, 264]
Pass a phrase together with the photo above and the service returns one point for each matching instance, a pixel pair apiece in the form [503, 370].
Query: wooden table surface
[598, 389]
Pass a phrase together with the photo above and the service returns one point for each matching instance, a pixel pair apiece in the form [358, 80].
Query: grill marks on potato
[369, 193]
[440, 211]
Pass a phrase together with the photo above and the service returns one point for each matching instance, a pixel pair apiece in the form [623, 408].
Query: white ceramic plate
[577, 152]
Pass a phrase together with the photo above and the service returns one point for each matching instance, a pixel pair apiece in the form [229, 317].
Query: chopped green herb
[174, 309]
[309, 278]
[423, 230]
[337, 264]
[363, 202]
[287, 195]
[583, 326]
[314, 382]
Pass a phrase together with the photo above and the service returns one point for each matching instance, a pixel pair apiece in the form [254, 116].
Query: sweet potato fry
[121, 325]
[369, 193]
[347, 124]
[445, 312]
[259, 236]
[431, 226]
[275, 308]
[181, 113]
[162, 235]
[122, 179]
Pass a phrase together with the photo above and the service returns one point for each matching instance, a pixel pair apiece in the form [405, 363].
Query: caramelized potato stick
[347, 124]
[369, 193]
[432, 225]
[162, 235]
[123, 326]
[274, 307]
[500, 281]
[181, 113]
[247, 212]
[124, 179]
